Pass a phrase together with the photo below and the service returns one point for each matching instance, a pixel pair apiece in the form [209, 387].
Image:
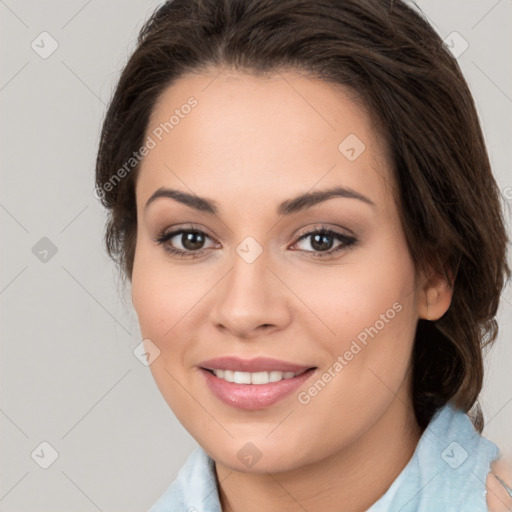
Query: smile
[257, 378]
[253, 384]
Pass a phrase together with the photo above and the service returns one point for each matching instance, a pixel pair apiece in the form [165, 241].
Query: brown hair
[391, 57]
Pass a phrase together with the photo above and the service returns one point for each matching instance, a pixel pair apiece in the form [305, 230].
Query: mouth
[257, 378]
[253, 384]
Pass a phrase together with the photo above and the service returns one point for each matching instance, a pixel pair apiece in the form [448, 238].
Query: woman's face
[255, 281]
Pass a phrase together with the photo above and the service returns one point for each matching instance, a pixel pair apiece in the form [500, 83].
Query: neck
[362, 472]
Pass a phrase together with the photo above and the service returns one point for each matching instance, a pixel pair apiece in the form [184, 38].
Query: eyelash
[163, 237]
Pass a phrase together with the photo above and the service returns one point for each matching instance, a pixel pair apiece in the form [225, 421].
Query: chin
[260, 464]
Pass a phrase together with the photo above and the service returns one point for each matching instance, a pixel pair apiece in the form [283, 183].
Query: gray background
[68, 373]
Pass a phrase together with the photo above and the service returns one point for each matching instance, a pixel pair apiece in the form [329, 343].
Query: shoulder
[498, 498]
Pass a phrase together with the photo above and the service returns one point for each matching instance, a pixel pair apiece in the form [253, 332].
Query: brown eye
[191, 241]
[322, 240]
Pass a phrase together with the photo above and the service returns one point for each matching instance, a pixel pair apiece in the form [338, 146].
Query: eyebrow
[288, 207]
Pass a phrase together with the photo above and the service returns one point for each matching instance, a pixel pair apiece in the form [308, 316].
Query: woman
[300, 195]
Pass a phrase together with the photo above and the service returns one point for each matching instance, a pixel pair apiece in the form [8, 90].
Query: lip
[253, 396]
[257, 364]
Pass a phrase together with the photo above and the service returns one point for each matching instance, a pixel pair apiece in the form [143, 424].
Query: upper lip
[257, 364]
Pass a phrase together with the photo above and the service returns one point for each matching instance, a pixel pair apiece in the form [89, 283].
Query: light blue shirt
[447, 473]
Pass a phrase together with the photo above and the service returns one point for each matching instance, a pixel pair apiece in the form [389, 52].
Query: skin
[498, 500]
[250, 144]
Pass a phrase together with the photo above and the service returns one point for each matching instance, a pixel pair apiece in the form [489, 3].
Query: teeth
[258, 378]
[242, 378]
[275, 376]
[253, 378]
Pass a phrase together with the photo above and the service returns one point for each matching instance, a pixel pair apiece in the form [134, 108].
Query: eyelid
[325, 227]
[174, 230]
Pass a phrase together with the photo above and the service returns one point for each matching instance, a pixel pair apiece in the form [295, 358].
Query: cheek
[162, 292]
[170, 301]
[373, 315]
[162, 296]
[369, 306]
[365, 290]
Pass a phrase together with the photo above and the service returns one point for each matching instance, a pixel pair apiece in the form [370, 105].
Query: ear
[435, 297]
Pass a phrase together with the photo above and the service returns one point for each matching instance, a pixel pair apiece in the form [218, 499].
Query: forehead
[271, 136]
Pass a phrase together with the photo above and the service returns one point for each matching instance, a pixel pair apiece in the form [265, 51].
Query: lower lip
[253, 396]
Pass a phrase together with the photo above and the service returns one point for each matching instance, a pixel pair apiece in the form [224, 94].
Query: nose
[250, 300]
